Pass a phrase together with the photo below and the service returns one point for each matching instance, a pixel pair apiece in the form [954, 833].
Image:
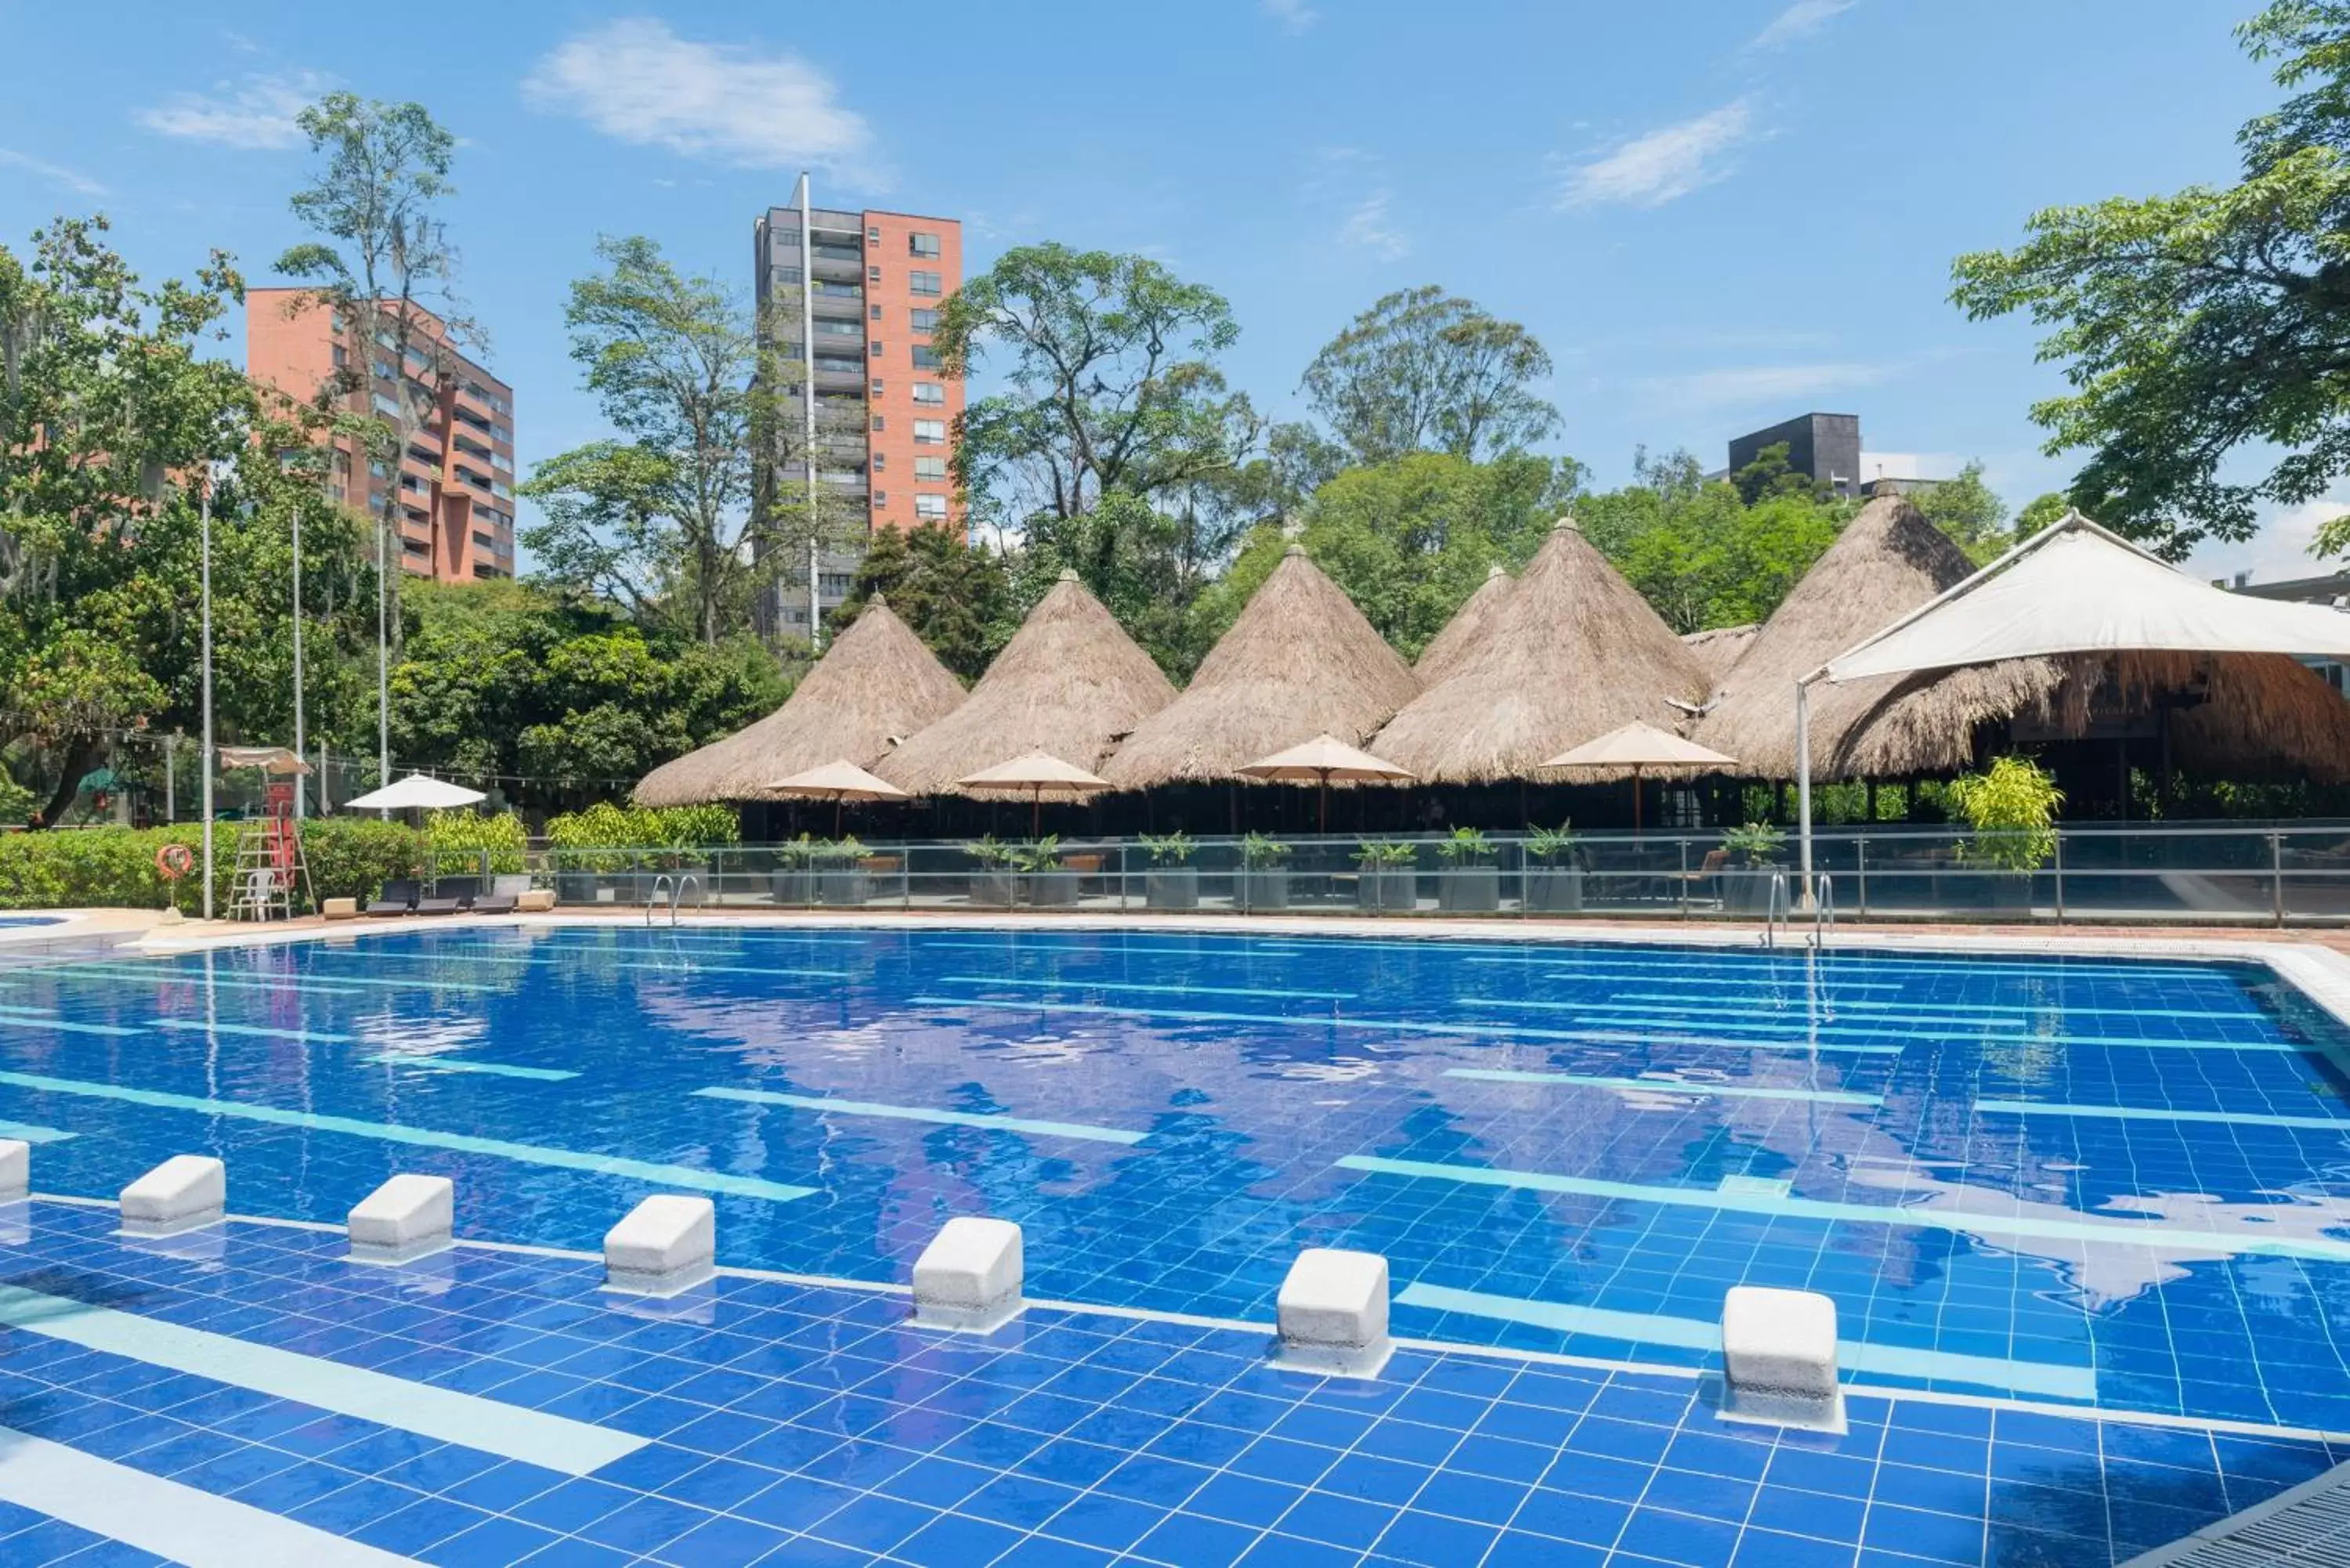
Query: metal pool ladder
[1774, 909]
[1823, 908]
[676, 886]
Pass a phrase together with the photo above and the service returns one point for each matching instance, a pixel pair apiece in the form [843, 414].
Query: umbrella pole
[1324, 817]
[1035, 809]
[835, 814]
[1635, 800]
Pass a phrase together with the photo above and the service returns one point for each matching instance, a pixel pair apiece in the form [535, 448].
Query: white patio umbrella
[2074, 587]
[1640, 747]
[1040, 773]
[418, 792]
[837, 782]
[1322, 759]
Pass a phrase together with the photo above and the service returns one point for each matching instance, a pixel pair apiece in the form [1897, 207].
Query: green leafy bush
[1039, 853]
[2013, 809]
[1551, 845]
[1756, 843]
[1257, 851]
[1465, 847]
[840, 851]
[989, 851]
[460, 840]
[1171, 850]
[1378, 853]
[103, 867]
[586, 839]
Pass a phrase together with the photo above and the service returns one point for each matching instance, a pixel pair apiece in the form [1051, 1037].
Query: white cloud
[636, 80]
[256, 113]
[81, 184]
[1662, 166]
[2278, 552]
[1761, 383]
[1291, 15]
[1368, 227]
[1800, 20]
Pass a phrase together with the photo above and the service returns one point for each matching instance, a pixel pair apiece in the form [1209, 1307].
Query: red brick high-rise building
[456, 477]
[847, 304]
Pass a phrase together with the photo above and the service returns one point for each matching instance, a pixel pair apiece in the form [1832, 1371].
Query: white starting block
[406, 1217]
[186, 1192]
[16, 1168]
[1333, 1311]
[664, 1245]
[1779, 1359]
[969, 1277]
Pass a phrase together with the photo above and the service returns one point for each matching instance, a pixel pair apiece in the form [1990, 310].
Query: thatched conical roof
[1887, 561]
[1300, 661]
[1574, 652]
[1070, 684]
[874, 686]
[1451, 648]
[1722, 647]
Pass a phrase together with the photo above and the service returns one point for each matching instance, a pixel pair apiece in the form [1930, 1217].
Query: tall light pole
[382, 654]
[205, 532]
[299, 793]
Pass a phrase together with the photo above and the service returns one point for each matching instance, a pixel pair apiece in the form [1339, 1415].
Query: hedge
[115, 866]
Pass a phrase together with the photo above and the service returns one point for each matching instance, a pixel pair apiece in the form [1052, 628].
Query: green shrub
[1171, 850]
[1551, 845]
[1378, 853]
[1258, 851]
[460, 840]
[605, 826]
[989, 851]
[1039, 853]
[1756, 843]
[102, 868]
[1465, 847]
[2013, 809]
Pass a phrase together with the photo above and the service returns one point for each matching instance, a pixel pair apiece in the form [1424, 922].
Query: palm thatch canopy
[1300, 661]
[1574, 652]
[874, 686]
[1451, 648]
[2235, 712]
[1722, 647]
[1069, 684]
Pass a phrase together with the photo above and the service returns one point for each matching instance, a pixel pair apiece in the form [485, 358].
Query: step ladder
[270, 868]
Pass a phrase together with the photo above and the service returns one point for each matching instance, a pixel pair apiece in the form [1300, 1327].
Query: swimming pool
[2096, 1181]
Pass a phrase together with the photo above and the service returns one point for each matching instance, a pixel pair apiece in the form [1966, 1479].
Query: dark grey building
[1825, 446]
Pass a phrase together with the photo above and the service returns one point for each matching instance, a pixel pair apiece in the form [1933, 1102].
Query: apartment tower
[455, 479]
[847, 304]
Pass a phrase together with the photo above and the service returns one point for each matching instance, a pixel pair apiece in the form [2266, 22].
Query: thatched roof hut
[1722, 647]
[876, 685]
[2232, 712]
[1451, 648]
[1071, 683]
[1300, 661]
[1574, 652]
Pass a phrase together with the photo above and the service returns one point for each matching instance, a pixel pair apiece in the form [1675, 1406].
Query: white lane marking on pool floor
[1670, 1087]
[2047, 1379]
[469, 1420]
[27, 1132]
[2110, 1232]
[1399, 1025]
[208, 1026]
[923, 1114]
[426, 1138]
[460, 1065]
[2157, 1114]
[247, 980]
[1086, 983]
[172, 1521]
[26, 1018]
[548, 961]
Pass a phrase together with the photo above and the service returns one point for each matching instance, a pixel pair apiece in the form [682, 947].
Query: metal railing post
[1683, 844]
[2060, 876]
[2276, 874]
[1860, 873]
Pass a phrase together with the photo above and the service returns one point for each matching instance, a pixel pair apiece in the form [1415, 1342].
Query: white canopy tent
[2074, 587]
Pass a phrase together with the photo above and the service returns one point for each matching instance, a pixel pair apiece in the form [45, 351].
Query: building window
[923, 282]
[874, 348]
[930, 392]
[881, 498]
[873, 235]
[416, 546]
[483, 540]
[881, 460]
[876, 313]
[876, 387]
[839, 329]
[341, 359]
[929, 468]
[788, 277]
[931, 508]
[930, 433]
[922, 244]
[922, 320]
[873, 274]
[925, 357]
[878, 425]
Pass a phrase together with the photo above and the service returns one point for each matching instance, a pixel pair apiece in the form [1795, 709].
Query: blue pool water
[2102, 1182]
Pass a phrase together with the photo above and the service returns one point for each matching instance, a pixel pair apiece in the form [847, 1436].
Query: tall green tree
[1968, 511]
[1698, 551]
[1422, 370]
[383, 259]
[2206, 325]
[662, 519]
[952, 594]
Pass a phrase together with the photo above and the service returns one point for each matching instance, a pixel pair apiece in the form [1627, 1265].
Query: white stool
[186, 1192]
[1779, 1359]
[1333, 1311]
[16, 1168]
[666, 1244]
[408, 1218]
[969, 1277]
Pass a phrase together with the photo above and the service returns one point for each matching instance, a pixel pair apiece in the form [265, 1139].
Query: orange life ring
[174, 861]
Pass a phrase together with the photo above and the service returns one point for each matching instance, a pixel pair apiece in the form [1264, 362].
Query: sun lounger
[500, 899]
[399, 898]
[450, 894]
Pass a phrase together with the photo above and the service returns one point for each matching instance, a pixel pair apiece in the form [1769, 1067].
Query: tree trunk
[81, 755]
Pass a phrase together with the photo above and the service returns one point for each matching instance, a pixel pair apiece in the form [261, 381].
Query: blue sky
[1714, 214]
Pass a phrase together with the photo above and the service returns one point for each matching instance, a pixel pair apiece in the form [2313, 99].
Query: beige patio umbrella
[1322, 759]
[1636, 748]
[837, 781]
[1040, 773]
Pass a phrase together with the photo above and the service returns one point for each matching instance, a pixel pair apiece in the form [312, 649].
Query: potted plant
[1170, 884]
[1264, 881]
[1471, 882]
[995, 885]
[1752, 850]
[840, 880]
[1389, 880]
[1554, 870]
[789, 882]
[1051, 884]
[2013, 809]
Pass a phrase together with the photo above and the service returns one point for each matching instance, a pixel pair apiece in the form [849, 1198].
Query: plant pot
[1470, 890]
[1387, 887]
[994, 889]
[1172, 887]
[2007, 894]
[790, 887]
[1053, 890]
[574, 887]
[849, 888]
[1554, 889]
[1265, 887]
[1746, 889]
